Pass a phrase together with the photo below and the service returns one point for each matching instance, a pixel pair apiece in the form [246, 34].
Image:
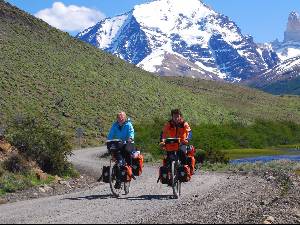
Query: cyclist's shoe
[100, 179]
[117, 185]
[133, 177]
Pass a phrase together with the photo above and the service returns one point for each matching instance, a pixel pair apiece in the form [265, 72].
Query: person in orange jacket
[177, 127]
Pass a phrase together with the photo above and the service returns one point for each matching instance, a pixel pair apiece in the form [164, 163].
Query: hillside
[282, 79]
[47, 74]
[284, 87]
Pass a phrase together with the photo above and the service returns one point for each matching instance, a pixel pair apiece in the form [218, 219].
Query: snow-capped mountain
[285, 76]
[287, 70]
[183, 38]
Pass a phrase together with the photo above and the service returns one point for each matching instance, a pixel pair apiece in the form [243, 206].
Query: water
[265, 159]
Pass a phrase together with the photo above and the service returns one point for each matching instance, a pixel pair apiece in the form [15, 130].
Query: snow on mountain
[287, 70]
[182, 38]
[290, 46]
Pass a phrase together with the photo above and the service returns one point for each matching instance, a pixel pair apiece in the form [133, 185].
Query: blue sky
[265, 20]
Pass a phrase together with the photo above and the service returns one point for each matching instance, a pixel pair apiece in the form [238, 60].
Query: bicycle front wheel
[116, 188]
[176, 184]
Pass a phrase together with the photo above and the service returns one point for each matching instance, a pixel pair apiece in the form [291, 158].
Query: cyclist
[177, 127]
[122, 129]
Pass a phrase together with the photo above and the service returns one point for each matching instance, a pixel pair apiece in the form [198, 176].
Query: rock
[275, 199]
[42, 190]
[57, 179]
[3, 201]
[269, 220]
[271, 178]
[35, 195]
[67, 184]
[5, 147]
[47, 188]
[62, 182]
[263, 203]
[220, 217]
[41, 175]
[297, 213]
[292, 32]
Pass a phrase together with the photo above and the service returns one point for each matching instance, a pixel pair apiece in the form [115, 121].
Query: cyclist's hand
[162, 144]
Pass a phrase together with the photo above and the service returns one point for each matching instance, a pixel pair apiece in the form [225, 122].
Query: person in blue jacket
[122, 129]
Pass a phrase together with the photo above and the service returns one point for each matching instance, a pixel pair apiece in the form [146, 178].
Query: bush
[16, 164]
[212, 138]
[2, 171]
[216, 156]
[200, 156]
[42, 143]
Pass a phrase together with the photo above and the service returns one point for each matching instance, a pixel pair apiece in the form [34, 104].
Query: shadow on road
[91, 197]
[139, 198]
[149, 197]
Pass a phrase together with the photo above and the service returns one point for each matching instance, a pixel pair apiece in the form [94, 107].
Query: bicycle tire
[176, 184]
[112, 181]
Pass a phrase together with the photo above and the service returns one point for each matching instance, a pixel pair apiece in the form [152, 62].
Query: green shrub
[16, 164]
[10, 183]
[42, 143]
[70, 171]
[216, 156]
[212, 138]
[200, 156]
[2, 171]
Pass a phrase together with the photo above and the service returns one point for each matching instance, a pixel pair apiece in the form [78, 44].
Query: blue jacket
[123, 132]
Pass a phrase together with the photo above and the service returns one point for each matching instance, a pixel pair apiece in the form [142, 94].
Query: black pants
[123, 157]
[178, 155]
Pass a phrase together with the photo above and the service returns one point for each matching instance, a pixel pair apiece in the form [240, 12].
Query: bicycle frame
[115, 147]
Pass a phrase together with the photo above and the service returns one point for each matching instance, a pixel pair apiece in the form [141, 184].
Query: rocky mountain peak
[293, 28]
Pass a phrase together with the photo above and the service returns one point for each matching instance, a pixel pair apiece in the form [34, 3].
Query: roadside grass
[11, 182]
[248, 153]
[293, 147]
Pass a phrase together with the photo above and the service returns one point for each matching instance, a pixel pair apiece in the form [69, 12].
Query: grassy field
[293, 147]
[249, 153]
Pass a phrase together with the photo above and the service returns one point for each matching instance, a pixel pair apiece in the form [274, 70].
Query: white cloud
[70, 18]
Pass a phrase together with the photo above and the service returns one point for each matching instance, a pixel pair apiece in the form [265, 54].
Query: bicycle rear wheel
[176, 184]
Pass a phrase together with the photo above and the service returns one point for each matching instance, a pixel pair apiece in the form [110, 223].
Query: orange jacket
[181, 131]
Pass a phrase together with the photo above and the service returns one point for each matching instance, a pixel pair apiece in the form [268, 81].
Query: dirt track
[209, 198]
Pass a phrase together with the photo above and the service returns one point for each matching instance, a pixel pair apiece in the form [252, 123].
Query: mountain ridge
[192, 31]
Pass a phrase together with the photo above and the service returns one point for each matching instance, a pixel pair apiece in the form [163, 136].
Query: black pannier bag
[105, 174]
[184, 173]
[164, 175]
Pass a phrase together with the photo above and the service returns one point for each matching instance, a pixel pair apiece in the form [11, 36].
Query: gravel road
[208, 198]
